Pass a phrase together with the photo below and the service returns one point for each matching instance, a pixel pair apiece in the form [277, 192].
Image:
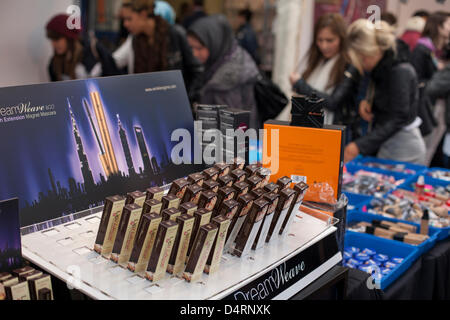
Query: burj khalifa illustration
[88, 178]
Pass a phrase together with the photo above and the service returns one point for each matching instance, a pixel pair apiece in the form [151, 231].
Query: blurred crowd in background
[392, 93]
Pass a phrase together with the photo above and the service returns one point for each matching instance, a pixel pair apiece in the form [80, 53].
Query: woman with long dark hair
[76, 58]
[155, 45]
[329, 72]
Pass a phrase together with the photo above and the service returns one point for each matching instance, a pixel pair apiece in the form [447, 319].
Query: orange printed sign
[311, 155]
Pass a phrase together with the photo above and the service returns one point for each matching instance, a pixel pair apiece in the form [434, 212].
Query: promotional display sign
[69, 145]
[310, 155]
[10, 245]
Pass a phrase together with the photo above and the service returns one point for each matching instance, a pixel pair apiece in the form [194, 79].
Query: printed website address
[164, 88]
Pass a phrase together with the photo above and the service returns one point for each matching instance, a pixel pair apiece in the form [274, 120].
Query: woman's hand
[295, 76]
[365, 111]
[351, 152]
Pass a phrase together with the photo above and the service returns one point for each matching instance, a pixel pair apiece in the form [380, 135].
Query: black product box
[234, 119]
[252, 169]
[196, 178]
[171, 214]
[238, 175]
[225, 181]
[136, 197]
[224, 194]
[202, 218]
[254, 182]
[155, 193]
[170, 201]
[258, 193]
[241, 188]
[308, 111]
[272, 187]
[178, 188]
[251, 226]
[210, 114]
[192, 194]
[224, 169]
[211, 185]
[152, 206]
[284, 182]
[188, 208]
[211, 174]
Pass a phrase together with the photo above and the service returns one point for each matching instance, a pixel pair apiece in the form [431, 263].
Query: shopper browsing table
[393, 108]
[155, 45]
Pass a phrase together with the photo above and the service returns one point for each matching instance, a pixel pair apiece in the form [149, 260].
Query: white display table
[65, 251]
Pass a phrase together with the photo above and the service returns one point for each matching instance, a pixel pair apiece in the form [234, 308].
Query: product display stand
[279, 270]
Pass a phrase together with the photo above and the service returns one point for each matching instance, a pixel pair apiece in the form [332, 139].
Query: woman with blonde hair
[392, 105]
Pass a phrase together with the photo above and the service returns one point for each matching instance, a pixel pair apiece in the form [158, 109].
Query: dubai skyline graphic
[112, 140]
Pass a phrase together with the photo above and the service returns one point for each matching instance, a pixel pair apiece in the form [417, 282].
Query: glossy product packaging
[109, 224]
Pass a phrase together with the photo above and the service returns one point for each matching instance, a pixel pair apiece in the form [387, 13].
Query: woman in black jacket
[155, 45]
[393, 108]
[439, 88]
[330, 74]
[74, 58]
[425, 59]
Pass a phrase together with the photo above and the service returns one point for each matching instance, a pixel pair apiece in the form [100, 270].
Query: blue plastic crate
[407, 179]
[362, 161]
[367, 217]
[357, 201]
[445, 232]
[437, 169]
[387, 247]
[409, 185]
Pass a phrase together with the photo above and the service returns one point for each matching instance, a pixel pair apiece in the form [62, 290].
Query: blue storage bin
[356, 201]
[362, 161]
[437, 169]
[397, 176]
[387, 247]
[367, 217]
[444, 232]
[409, 185]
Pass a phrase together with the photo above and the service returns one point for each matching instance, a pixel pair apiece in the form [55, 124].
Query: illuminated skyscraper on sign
[126, 148]
[144, 151]
[85, 169]
[108, 158]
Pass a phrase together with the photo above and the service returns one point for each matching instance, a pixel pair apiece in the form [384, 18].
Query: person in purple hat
[74, 57]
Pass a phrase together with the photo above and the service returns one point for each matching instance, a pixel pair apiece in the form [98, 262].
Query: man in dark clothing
[246, 36]
[197, 13]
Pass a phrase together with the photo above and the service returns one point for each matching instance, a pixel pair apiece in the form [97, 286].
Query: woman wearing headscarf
[230, 72]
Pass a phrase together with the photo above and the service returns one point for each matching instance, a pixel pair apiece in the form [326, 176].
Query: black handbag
[270, 99]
